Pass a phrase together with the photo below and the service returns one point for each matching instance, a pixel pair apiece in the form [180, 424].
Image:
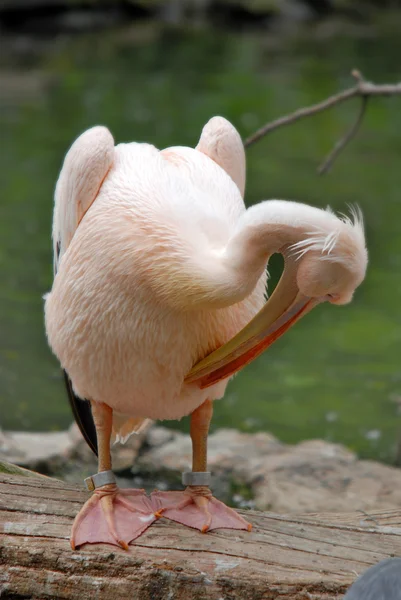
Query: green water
[337, 374]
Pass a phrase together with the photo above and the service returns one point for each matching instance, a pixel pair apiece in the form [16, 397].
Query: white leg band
[196, 478]
[100, 479]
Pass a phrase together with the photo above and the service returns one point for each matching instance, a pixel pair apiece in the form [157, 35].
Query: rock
[318, 476]
[248, 470]
[230, 453]
[64, 453]
[157, 436]
[311, 476]
[80, 462]
[123, 455]
[8, 448]
[228, 449]
[29, 449]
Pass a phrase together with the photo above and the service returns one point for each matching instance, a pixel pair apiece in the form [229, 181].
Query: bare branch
[301, 113]
[340, 145]
[363, 89]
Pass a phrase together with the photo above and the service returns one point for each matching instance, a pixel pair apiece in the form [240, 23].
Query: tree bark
[306, 557]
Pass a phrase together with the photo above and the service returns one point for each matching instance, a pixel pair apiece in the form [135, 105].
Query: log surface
[306, 557]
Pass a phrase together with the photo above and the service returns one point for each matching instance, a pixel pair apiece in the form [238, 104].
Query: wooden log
[306, 557]
[10, 469]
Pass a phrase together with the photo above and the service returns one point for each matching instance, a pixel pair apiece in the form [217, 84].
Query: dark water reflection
[337, 374]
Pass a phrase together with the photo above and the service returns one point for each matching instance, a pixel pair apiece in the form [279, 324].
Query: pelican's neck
[217, 279]
[266, 228]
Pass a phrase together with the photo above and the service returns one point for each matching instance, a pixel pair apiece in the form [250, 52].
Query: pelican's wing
[222, 143]
[85, 167]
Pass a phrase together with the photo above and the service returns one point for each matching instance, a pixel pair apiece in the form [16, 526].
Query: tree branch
[340, 145]
[362, 89]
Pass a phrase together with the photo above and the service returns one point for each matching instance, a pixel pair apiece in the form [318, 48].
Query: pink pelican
[159, 297]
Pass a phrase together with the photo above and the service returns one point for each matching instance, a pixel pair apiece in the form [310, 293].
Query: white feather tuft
[329, 245]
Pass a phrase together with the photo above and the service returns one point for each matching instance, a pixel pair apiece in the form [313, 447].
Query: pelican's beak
[285, 307]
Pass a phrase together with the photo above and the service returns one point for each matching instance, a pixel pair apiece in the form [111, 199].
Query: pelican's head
[331, 266]
[326, 264]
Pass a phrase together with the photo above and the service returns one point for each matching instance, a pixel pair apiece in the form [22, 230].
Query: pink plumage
[128, 314]
[159, 297]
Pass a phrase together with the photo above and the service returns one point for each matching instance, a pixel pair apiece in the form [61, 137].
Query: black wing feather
[81, 409]
[82, 412]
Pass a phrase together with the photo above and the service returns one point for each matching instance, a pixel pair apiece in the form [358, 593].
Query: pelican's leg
[110, 515]
[196, 506]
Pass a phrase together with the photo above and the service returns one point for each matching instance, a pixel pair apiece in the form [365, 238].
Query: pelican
[158, 299]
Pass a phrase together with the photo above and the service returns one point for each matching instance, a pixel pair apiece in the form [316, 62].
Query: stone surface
[30, 449]
[52, 452]
[248, 470]
[311, 476]
[315, 475]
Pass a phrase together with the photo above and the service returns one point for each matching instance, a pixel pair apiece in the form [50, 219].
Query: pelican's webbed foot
[196, 507]
[113, 516]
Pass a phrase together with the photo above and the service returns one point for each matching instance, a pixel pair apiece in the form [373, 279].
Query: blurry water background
[336, 375]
